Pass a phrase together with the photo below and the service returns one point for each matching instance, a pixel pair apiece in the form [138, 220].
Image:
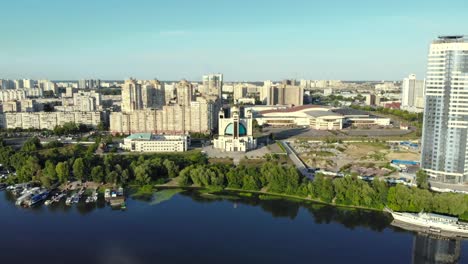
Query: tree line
[56, 163]
[349, 191]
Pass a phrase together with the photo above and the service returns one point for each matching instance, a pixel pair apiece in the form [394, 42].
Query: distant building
[184, 93]
[313, 116]
[89, 84]
[285, 94]
[372, 99]
[132, 98]
[235, 133]
[27, 83]
[48, 120]
[171, 119]
[327, 92]
[412, 94]
[146, 142]
[153, 94]
[212, 84]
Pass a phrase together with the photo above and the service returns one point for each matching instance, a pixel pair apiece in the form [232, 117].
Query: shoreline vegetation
[56, 164]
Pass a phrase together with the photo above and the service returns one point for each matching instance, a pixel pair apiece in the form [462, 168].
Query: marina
[26, 195]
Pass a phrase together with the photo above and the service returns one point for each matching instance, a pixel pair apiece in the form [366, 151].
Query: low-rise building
[147, 142]
[360, 118]
[313, 116]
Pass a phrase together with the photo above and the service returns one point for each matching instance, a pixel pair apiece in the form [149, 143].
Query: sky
[246, 40]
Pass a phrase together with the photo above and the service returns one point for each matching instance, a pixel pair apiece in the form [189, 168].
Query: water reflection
[432, 250]
[426, 249]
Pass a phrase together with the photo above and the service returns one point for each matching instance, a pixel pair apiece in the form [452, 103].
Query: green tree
[30, 169]
[31, 145]
[97, 174]
[63, 171]
[141, 175]
[49, 170]
[422, 179]
[79, 169]
[171, 167]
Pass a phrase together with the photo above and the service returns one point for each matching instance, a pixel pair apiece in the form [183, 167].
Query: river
[187, 227]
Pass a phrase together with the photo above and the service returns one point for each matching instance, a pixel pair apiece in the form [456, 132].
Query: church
[234, 132]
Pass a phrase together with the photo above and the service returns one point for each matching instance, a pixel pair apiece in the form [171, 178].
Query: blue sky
[244, 39]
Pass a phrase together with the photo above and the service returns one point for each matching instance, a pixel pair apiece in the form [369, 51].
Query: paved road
[295, 159]
[456, 187]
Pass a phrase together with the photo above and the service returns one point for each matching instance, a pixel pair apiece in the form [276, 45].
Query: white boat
[430, 223]
[69, 200]
[107, 194]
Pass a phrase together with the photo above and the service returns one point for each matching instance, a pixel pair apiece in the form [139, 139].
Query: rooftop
[293, 109]
[451, 39]
[323, 114]
[351, 112]
[145, 136]
[154, 137]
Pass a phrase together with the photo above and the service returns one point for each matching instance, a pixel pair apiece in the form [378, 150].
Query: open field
[364, 158]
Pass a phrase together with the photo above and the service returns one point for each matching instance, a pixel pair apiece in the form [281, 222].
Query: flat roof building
[147, 142]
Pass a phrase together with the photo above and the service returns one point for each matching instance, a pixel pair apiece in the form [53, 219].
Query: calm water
[189, 228]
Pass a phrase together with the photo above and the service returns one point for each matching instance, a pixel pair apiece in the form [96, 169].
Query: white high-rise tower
[412, 94]
[444, 154]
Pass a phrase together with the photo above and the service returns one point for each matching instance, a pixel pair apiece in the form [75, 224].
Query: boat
[92, 198]
[69, 200]
[48, 202]
[26, 196]
[37, 198]
[107, 194]
[430, 223]
[3, 186]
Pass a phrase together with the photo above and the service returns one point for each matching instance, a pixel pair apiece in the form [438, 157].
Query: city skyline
[184, 39]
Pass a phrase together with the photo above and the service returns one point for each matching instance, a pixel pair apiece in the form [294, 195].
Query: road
[456, 187]
[295, 159]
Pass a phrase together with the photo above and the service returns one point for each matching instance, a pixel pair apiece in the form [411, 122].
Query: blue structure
[405, 162]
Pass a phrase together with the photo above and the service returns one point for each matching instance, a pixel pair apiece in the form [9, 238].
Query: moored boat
[37, 198]
[430, 223]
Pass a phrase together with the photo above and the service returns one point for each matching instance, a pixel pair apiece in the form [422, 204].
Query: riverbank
[278, 195]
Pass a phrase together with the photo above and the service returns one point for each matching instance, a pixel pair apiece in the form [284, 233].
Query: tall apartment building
[445, 129]
[47, 85]
[240, 91]
[184, 92]
[372, 99]
[153, 94]
[285, 94]
[212, 84]
[131, 96]
[171, 119]
[27, 83]
[89, 84]
[18, 84]
[412, 94]
[86, 101]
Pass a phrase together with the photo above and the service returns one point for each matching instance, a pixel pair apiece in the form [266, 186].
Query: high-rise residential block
[213, 84]
[284, 94]
[412, 94]
[445, 129]
[131, 96]
[184, 92]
